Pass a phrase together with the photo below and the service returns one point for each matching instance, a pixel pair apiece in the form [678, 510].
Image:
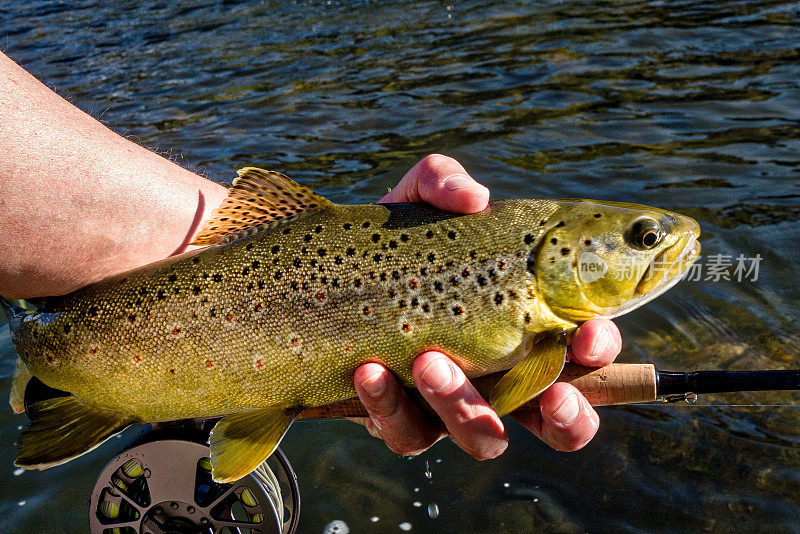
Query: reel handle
[618, 383]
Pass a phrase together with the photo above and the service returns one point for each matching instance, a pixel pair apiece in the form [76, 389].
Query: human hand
[565, 420]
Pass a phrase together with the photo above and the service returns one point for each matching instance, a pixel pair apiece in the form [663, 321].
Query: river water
[687, 105]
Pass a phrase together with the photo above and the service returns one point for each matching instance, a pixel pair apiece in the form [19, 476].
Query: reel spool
[163, 486]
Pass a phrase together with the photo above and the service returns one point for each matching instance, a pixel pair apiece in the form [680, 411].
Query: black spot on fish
[366, 310]
[438, 286]
[458, 310]
[304, 250]
[313, 263]
[554, 241]
[451, 234]
[401, 303]
[453, 281]
[560, 224]
[307, 238]
[261, 284]
[322, 252]
[357, 282]
[67, 328]
[473, 254]
[528, 239]
[256, 264]
[377, 258]
[376, 238]
[492, 273]
[392, 293]
[275, 249]
[481, 280]
[347, 226]
[423, 271]
[160, 295]
[426, 307]
[297, 263]
[245, 271]
[275, 261]
[382, 277]
[498, 298]
[295, 286]
[304, 286]
[395, 275]
[431, 257]
[565, 251]
[195, 260]
[587, 242]
[143, 290]
[212, 312]
[429, 234]
[312, 277]
[351, 251]
[286, 231]
[406, 328]
[414, 302]
[527, 318]
[404, 237]
[465, 273]
[512, 294]
[335, 282]
[196, 290]
[365, 225]
[277, 275]
[249, 246]
[392, 244]
[337, 260]
[597, 215]
[317, 229]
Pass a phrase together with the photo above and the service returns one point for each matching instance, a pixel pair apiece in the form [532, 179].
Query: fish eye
[645, 234]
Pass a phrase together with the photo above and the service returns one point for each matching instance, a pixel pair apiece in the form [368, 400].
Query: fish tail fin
[13, 311]
[64, 428]
[241, 441]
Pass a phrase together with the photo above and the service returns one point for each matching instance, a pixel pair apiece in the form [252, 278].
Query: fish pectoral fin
[21, 376]
[64, 428]
[535, 373]
[241, 441]
[257, 199]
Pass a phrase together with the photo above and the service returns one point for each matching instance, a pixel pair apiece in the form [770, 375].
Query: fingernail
[601, 344]
[568, 411]
[438, 375]
[458, 181]
[374, 385]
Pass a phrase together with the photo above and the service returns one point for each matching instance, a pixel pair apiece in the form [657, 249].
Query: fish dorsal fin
[258, 199]
[531, 376]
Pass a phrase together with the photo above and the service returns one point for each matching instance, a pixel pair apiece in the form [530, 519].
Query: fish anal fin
[21, 376]
[258, 199]
[241, 441]
[531, 376]
[64, 428]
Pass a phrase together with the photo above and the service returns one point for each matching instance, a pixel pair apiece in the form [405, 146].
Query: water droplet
[416, 490]
[438, 460]
[506, 485]
[536, 500]
[691, 398]
[374, 518]
[337, 526]
[18, 472]
[405, 526]
[433, 510]
[428, 473]
[21, 503]
[417, 504]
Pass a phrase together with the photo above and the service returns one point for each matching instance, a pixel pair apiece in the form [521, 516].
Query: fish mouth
[668, 268]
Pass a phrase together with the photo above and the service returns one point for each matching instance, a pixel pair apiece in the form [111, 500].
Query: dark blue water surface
[689, 105]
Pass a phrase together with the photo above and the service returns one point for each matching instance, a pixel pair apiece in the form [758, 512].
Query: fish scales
[296, 292]
[285, 316]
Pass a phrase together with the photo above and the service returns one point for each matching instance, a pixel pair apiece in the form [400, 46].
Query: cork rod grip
[618, 383]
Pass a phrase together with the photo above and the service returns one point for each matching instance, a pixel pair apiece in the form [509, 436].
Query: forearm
[78, 202]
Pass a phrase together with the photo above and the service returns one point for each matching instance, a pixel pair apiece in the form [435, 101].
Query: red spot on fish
[320, 296]
[209, 363]
[258, 307]
[50, 358]
[295, 341]
[173, 371]
[501, 264]
[176, 331]
[137, 358]
[348, 347]
[413, 284]
[406, 328]
[132, 317]
[260, 364]
[93, 350]
[366, 310]
[229, 317]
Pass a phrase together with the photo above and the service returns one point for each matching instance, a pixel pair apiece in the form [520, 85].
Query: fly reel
[163, 485]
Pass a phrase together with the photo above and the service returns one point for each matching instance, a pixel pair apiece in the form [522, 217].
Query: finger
[565, 420]
[393, 416]
[471, 422]
[596, 343]
[442, 182]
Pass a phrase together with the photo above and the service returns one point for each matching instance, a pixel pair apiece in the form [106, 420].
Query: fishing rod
[618, 383]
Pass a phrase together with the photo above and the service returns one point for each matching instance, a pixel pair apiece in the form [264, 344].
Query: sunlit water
[693, 106]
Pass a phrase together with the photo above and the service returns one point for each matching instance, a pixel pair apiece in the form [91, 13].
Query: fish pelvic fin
[64, 428]
[531, 376]
[257, 200]
[21, 376]
[241, 441]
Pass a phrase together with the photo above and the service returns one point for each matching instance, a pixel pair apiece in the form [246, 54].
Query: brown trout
[294, 292]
